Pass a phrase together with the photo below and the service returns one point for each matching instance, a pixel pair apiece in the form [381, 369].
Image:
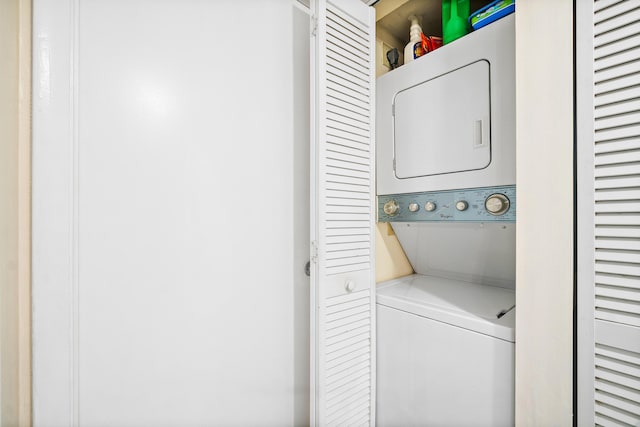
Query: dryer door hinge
[314, 25]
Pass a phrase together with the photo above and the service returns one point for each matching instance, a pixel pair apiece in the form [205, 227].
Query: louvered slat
[618, 194]
[347, 27]
[347, 137]
[604, 26]
[617, 384]
[613, 48]
[341, 107]
[624, 119]
[344, 232]
[342, 83]
[347, 202]
[339, 381]
[617, 378]
[617, 158]
[348, 358]
[617, 182]
[355, 334]
[622, 256]
[623, 243]
[621, 107]
[617, 34]
[334, 94]
[617, 65]
[603, 4]
[612, 95]
[615, 280]
[620, 268]
[618, 132]
[335, 153]
[612, 231]
[618, 390]
[349, 121]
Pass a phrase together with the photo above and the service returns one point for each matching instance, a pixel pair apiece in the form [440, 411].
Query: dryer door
[443, 125]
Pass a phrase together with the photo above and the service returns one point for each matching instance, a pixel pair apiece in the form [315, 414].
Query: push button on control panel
[414, 207]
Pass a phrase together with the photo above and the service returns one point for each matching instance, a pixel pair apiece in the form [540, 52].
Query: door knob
[350, 285]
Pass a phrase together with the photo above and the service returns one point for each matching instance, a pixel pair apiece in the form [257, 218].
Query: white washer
[444, 358]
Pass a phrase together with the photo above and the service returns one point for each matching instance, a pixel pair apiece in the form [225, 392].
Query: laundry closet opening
[446, 211]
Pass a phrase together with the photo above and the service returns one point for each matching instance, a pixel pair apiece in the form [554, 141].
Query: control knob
[497, 204]
[430, 206]
[461, 205]
[391, 208]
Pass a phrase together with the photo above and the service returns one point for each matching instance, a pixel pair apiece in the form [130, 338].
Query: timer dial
[497, 204]
[391, 208]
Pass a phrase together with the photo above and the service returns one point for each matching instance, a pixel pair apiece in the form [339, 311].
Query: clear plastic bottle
[413, 49]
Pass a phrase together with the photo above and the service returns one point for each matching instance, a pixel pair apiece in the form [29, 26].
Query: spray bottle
[414, 49]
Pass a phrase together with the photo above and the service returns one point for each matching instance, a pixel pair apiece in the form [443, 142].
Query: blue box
[491, 12]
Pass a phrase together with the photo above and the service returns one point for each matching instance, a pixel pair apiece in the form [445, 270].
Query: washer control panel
[472, 205]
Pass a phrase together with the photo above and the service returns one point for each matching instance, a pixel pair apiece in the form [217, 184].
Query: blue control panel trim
[445, 205]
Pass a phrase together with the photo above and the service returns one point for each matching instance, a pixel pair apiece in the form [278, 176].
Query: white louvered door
[608, 111]
[342, 214]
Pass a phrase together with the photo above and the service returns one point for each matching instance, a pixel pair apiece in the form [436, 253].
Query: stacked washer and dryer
[446, 184]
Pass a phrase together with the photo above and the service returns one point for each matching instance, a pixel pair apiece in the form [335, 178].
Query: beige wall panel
[391, 261]
[544, 272]
[15, 334]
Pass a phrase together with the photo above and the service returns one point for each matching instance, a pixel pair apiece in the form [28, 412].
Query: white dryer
[447, 120]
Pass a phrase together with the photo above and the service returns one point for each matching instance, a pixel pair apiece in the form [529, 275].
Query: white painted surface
[442, 126]
[164, 292]
[466, 305]
[434, 367]
[343, 214]
[482, 253]
[585, 176]
[544, 238]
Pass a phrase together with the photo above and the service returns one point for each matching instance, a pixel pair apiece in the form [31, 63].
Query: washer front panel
[448, 205]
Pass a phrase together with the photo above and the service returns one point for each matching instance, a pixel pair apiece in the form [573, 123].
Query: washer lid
[466, 305]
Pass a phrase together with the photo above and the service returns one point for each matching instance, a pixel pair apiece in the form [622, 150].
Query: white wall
[544, 276]
[170, 213]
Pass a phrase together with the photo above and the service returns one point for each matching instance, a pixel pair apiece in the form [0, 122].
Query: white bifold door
[170, 213]
[342, 214]
[608, 196]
